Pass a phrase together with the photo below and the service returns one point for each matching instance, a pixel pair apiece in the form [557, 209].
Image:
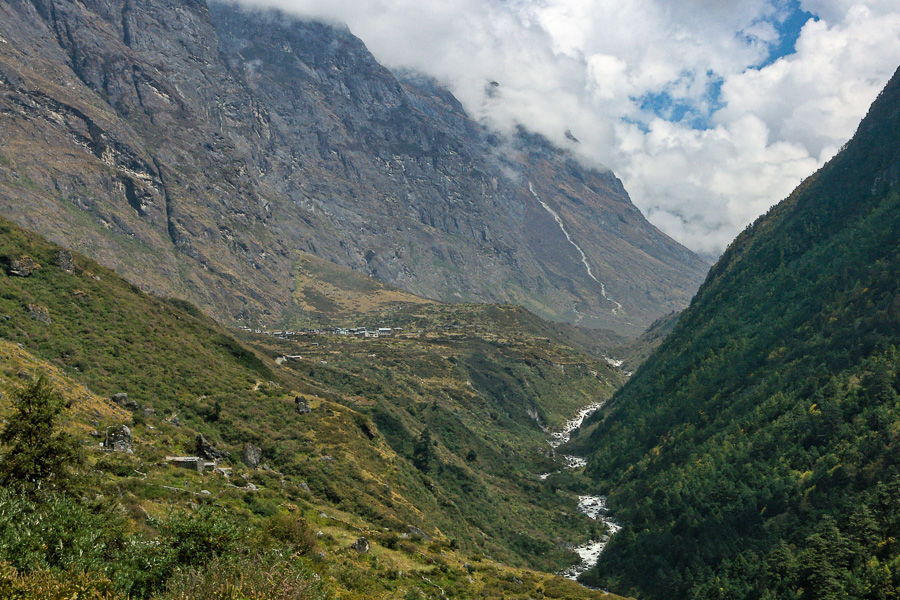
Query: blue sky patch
[788, 22]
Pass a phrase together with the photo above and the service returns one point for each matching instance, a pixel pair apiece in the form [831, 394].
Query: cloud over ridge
[695, 104]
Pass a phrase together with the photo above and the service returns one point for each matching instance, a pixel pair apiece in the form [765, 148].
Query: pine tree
[39, 454]
[423, 454]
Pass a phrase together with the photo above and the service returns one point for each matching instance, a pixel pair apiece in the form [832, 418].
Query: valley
[438, 429]
[278, 322]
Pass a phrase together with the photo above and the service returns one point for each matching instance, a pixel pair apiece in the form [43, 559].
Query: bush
[261, 577]
[51, 586]
[57, 533]
[293, 531]
[199, 537]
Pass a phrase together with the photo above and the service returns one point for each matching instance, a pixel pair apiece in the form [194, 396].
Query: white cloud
[586, 65]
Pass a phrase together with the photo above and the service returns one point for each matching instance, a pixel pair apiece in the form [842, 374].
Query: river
[593, 507]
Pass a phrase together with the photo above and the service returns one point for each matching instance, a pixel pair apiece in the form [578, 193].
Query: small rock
[131, 405]
[23, 375]
[118, 439]
[420, 533]
[121, 398]
[302, 485]
[320, 534]
[251, 487]
[251, 455]
[204, 492]
[361, 545]
[302, 406]
[39, 313]
[149, 412]
[63, 259]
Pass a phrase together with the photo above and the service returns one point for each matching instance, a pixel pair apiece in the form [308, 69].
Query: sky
[710, 112]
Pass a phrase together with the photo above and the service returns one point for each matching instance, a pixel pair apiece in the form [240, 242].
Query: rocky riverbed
[593, 507]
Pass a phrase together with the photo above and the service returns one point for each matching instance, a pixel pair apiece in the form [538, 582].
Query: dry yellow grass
[85, 406]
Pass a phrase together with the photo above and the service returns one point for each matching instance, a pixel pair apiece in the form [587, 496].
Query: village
[360, 332]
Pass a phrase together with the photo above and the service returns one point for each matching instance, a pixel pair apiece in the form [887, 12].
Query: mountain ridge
[197, 149]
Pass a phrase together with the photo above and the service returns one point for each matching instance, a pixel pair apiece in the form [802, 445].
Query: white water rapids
[592, 506]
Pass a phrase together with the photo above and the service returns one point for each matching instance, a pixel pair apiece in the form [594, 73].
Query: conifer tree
[39, 454]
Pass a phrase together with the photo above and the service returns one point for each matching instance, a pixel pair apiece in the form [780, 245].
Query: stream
[593, 507]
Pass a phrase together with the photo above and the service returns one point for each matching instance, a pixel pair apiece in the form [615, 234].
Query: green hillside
[427, 443]
[756, 454]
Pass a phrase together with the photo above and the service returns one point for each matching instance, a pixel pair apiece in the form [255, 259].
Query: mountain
[426, 442]
[199, 150]
[756, 454]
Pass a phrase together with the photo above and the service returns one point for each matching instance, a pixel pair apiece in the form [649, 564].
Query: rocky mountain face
[198, 148]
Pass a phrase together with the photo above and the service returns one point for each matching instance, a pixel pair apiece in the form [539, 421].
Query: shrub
[293, 531]
[51, 586]
[261, 577]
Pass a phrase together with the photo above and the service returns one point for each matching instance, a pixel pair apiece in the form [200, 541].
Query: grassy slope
[755, 454]
[353, 450]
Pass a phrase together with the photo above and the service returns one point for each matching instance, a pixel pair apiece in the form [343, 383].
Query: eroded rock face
[118, 439]
[251, 455]
[227, 141]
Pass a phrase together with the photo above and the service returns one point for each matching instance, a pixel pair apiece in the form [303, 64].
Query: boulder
[208, 451]
[415, 531]
[118, 439]
[302, 406]
[39, 313]
[361, 545]
[63, 259]
[251, 455]
[22, 266]
[121, 398]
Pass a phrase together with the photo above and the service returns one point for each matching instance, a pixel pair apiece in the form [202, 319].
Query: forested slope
[756, 453]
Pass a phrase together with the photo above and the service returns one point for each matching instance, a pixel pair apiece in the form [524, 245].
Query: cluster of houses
[355, 331]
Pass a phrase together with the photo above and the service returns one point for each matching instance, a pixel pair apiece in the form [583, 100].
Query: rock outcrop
[22, 266]
[64, 260]
[251, 455]
[39, 312]
[207, 451]
[302, 406]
